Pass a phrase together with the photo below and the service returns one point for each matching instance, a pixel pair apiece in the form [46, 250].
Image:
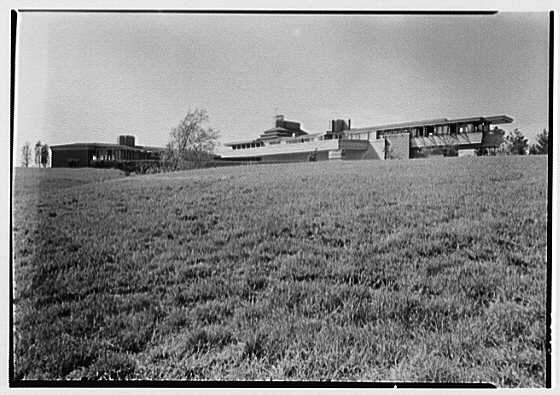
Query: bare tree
[26, 154]
[190, 141]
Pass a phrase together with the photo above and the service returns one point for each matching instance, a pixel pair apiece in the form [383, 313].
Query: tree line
[41, 153]
[515, 143]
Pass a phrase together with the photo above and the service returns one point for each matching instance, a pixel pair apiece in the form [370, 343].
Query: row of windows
[425, 131]
[248, 145]
[272, 142]
[302, 140]
[333, 136]
[109, 154]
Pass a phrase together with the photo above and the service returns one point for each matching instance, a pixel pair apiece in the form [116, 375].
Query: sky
[89, 77]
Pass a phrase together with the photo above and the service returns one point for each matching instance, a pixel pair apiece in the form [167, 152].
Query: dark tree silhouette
[516, 143]
[38, 146]
[44, 155]
[541, 146]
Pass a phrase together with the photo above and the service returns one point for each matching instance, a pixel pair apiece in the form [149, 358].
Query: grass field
[424, 270]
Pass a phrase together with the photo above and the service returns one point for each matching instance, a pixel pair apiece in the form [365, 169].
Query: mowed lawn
[422, 270]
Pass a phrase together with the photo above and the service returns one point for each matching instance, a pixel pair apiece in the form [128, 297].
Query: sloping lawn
[424, 270]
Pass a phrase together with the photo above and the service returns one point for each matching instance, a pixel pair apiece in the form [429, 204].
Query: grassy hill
[427, 270]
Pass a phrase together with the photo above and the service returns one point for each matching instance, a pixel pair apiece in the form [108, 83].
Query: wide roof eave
[494, 119]
[104, 145]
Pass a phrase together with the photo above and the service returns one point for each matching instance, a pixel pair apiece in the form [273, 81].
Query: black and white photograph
[279, 197]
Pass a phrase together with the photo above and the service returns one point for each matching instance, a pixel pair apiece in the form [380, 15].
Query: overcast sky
[84, 77]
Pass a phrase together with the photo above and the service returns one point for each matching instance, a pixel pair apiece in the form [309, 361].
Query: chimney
[349, 126]
[332, 126]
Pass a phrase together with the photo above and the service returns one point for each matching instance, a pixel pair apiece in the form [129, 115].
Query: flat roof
[409, 124]
[105, 145]
[276, 129]
[150, 148]
[498, 119]
[494, 119]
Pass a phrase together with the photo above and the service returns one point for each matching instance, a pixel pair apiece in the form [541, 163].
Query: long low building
[88, 154]
[393, 141]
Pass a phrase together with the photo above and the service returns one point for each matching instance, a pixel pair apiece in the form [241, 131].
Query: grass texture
[423, 270]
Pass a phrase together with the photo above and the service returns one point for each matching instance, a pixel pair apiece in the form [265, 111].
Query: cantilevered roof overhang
[498, 119]
[81, 146]
[494, 119]
[403, 125]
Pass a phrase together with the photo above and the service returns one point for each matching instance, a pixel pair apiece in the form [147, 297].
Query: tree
[541, 147]
[45, 155]
[516, 143]
[26, 154]
[38, 146]
[190, 141]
